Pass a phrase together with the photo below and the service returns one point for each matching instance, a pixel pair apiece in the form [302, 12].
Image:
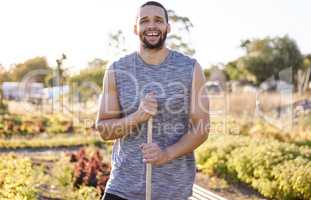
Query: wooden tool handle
[149, 166]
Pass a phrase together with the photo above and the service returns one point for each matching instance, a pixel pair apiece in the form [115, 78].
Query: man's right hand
[148, 107]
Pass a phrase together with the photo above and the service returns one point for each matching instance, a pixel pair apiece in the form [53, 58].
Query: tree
[180, 29]
[307, 61]
[18, 72]
[235, 71]
[93, 74]
[4, 74]
[57, 76]
[207, 73]
[117, 43]
[3, 106]
[268, 56]
[304, 74]
[3, 77]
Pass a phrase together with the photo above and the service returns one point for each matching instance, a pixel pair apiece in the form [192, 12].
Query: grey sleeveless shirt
[171, 81]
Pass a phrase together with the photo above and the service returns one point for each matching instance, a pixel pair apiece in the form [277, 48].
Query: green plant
[276, 169]
[17, 179]
[59, 124]
[85, 192]
[3, 108]
[63, 172]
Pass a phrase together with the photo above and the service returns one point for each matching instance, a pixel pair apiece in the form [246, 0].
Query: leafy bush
[59, 124]
[17, 179]
[90, 171]
[30, 125]
[3, 107]
[60, 176]
[277, 170]
[55, 141]
[13, 125]
[63, 173]
[260, 129]
[85, 192]
[293, 178]
[212, 157]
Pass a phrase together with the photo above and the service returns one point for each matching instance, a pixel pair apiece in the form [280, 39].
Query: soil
[236, 191]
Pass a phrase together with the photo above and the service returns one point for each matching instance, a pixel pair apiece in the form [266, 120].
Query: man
[168, 86]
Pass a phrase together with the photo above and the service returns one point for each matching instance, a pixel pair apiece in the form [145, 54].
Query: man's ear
[135, 29]
[168, 28]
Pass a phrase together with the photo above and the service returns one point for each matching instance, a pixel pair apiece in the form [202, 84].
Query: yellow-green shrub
[17, 179]
[277, 170]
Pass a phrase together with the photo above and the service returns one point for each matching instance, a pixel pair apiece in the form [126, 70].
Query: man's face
[151, 27]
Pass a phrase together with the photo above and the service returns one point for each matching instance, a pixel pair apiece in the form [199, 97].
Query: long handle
[149, 166]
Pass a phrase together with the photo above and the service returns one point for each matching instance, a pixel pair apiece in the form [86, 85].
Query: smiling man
[168, 86]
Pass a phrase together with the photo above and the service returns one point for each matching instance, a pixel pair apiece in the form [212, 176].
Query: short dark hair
[154, 3]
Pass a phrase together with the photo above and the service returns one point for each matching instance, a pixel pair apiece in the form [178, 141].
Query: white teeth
[153, 33]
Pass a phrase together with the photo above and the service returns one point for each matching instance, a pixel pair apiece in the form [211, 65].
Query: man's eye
[159, 21]
[143, 21]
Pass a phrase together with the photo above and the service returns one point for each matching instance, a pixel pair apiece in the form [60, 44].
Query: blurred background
[256, 56]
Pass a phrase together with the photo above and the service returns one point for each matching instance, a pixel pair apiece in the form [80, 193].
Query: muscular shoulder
[124, 61]
[182, 59]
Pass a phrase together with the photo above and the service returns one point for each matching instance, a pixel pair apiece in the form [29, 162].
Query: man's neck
[153, 56]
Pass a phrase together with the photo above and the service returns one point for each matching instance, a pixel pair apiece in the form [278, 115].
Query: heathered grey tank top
[171, 81]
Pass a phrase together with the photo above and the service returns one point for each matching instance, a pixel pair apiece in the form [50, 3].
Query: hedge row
[30, 125]
[17, 179]
[277, 170]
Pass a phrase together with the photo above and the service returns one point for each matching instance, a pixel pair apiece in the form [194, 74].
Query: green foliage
[4, 74]
[212, 158]
[63, 172]
[55, 141]
[235, 72]
[88, 83]
[93, 73]
[207, 73]
[176, 42]
[268, 56]
[85, 192]
[85, 168]
[3, 108]
[117, 43]
[54, 176]
[29, 125]
[12, 125]
[59, 124]
[90, 170]
[259, 164]
[18, 72]
[17, 179]
[277, 170]
[180, 27]
[293, 178]
[261, 129]
[307, 61]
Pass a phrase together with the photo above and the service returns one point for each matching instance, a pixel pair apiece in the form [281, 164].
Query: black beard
[158, 45]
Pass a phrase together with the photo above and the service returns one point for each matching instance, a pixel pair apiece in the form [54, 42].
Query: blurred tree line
[19, 71]
[263, 58]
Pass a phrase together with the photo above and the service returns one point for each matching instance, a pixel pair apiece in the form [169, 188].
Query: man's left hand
[153, 154]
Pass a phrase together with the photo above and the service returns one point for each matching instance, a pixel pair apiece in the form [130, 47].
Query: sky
[80, 28]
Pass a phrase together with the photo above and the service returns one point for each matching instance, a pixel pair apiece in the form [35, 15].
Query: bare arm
[109, 123]
[199, 119]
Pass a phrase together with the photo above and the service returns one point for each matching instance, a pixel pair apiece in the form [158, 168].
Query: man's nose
[151, 25]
